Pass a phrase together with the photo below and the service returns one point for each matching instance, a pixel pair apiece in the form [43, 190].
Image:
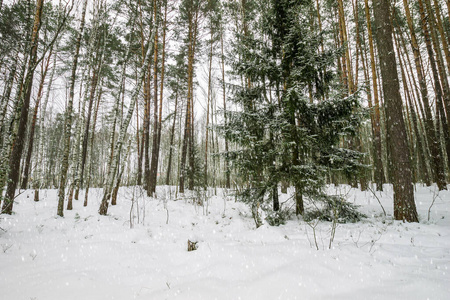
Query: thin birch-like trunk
[103, 210]
[68, 117]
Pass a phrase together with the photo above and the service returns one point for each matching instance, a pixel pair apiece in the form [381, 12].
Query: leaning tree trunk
[20, 130]
[404, 205]
[444, 99]
[33, 122]
[433, 142]
[119, 176]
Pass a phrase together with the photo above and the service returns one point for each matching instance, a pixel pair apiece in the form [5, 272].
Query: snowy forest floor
[87, 256]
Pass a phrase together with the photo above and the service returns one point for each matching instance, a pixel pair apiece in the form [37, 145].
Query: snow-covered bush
[333, 208]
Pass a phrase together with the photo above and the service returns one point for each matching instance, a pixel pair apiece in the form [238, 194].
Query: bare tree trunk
[157, 113]
[33, 122]
[191, 83]
[20, 132]
[346, 63]
[89, 166]
[68, 117]
[84, 146]
[227, 165]
[433, 143]
[161, 93]
[379, 174]
[6, 98]
[443, 95]
[38, 180]
[440, 27]
[103, 210]
[119, 176]
[188, 143]
[404, 205]
[208, 103]
[172, 135]
[439, 166]
[421, 135]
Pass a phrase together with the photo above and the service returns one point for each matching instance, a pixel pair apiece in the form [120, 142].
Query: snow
[87, 256]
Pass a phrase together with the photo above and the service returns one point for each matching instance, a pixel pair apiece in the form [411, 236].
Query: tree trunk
[191, 83]
[33, 123]
[38, 180]
[188, 143]
[444, 94]
[404, 205]
[89, 166]
[346, 63]
[103, 210]
[208, 103]
[227, 164]
[68, 117]
[433, 143]
[84, 145]
[172, 134]
[157, 113]
[379, 174]
[119, 177]
[20, 132]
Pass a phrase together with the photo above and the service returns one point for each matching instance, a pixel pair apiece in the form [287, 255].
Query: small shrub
[277, 218]
[330, 207]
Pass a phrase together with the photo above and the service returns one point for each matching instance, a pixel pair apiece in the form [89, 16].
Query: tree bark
[103, 210]
[433, 143]
[227, 164]
[188, 143]
[33, 125]
[404, 205]
[172, 135]
[376, 124]
[20, 132]
[68, 117]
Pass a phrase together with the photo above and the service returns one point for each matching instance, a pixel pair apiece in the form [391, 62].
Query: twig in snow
[313, 226]
[384, 212]
[435, 195]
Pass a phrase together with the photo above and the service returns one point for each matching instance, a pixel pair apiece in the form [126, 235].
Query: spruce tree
[281, 134]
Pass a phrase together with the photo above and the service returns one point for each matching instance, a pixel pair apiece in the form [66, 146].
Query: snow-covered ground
[87, 256]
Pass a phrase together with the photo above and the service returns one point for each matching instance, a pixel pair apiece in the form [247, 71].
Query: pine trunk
[404, 205]
[33, 124]
[376, 124]
[21, 129]
[433, 143]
